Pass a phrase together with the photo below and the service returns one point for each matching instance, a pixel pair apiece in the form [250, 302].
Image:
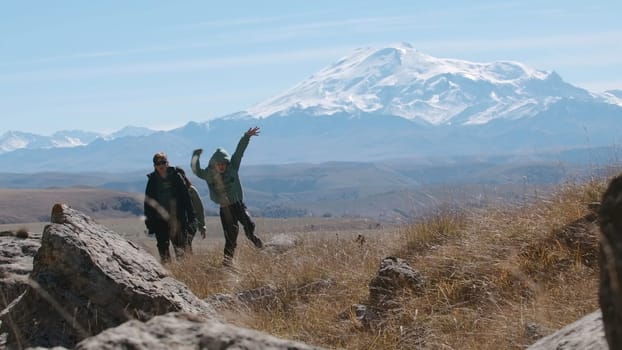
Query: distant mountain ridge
[384, 190]
[377, 104]
[14, 140]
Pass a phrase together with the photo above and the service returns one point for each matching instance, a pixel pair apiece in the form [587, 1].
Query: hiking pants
[163, 244]
[229, 218]
[165, 238]
[180, 242]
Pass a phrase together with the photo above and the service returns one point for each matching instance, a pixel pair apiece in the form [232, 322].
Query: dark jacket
[156, 220]
[225, 188]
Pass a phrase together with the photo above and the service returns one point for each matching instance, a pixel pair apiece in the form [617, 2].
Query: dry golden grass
[489, 274]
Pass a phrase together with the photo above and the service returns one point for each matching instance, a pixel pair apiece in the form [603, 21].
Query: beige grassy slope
[494, 278]
[33, 205]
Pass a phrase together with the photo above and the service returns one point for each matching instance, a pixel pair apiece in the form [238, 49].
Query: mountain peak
[399, 80]
[129, 131]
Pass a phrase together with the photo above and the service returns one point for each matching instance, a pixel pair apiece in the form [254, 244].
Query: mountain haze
[376, 104]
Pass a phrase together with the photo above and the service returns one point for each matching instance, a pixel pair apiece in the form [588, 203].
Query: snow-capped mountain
[14, 140]
[73, 138]
[402, 81]
[377, 104]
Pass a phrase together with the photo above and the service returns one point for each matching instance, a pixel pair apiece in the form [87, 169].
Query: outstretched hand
[197, 151]
[252, 131]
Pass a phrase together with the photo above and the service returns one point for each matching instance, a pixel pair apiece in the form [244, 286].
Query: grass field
[496, 278]
[493, 275]
[134, 229]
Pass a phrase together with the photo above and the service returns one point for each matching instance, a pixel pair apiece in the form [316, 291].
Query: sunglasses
[161, 162]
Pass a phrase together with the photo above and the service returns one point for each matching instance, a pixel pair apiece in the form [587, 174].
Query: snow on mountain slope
[11, 142]
[401, 81]
[73, 138]
[613, 97]
[14, 140]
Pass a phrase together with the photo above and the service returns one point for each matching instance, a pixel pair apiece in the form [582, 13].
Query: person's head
[160, 162]
[220, 160]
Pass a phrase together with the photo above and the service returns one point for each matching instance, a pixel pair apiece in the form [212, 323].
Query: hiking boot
[165, 256]
[227, 262]
[179, 253]
[257, 242]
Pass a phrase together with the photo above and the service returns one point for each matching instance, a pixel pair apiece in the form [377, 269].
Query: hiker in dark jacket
[225, 189]
[168, 209]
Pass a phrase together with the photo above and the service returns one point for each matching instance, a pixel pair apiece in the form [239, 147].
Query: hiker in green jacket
[225, 189]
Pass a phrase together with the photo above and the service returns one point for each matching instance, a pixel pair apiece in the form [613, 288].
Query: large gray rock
[584, 334]
[86, 279]
[184, 331]
[610, 259]
[16, 255]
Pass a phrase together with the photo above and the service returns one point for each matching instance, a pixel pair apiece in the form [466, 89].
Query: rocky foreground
[89, 288]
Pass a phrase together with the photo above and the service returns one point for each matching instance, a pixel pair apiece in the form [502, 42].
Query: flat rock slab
[183, 331]
[584, 334]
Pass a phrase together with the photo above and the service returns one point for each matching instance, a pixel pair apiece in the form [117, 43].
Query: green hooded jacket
[224, 189]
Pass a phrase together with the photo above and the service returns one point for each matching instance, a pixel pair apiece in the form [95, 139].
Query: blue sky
[100, 66]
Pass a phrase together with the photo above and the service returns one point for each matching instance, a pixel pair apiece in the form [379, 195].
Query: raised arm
[195, 164]
[236, 158]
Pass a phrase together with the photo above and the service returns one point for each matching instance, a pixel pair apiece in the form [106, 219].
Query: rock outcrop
[281, 243]
[92, 289]
[16, 256]
[610, 259]
[395, 276]
[584, 334]
[394, 279]
[86, 279]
